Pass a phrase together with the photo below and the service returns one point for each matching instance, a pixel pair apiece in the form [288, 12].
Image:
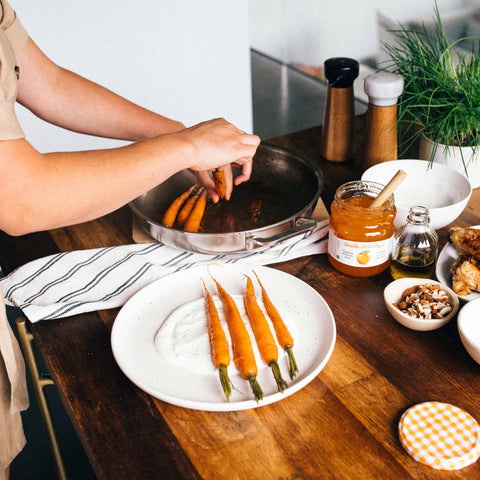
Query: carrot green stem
[225, 381]
[256, 388]
[293, 368]
[281, 383]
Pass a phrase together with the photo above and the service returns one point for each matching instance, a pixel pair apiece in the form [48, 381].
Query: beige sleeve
[12, 38]
[16, 33]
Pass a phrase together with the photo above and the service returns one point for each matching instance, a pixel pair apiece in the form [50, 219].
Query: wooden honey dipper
[389, 189]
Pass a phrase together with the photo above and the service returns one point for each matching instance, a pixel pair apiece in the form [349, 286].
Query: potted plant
[440, 102]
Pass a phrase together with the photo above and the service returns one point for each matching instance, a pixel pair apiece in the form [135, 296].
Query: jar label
[359, 254]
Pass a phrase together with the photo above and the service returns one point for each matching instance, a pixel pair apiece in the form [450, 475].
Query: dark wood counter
[342, 425]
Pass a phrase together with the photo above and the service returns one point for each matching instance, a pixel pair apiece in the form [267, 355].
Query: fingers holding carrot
[223, 182]
[218, 183]
[205, 178]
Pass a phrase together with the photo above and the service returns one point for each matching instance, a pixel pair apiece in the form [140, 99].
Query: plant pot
[457, 158]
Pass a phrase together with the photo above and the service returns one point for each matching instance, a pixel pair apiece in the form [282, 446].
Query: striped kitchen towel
[69, 283]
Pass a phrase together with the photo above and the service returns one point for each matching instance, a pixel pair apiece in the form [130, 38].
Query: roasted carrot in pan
[263, 335]
[243, 355]
[283, 335]
[220, 185]
[192, 223]
[188, 206]
[170, 215]
[218, 343]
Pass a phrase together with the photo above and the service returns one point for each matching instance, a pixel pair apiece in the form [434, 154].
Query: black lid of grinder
[340, 71]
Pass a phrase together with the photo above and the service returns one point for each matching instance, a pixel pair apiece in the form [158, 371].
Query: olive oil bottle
[415, 247]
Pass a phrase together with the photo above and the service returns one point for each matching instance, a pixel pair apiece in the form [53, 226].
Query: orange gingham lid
[440, 435]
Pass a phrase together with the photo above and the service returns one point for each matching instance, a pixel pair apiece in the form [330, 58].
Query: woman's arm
[43, 191]
[68, 100]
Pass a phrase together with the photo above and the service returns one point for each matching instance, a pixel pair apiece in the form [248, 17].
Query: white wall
[186, 59]
[310, 31]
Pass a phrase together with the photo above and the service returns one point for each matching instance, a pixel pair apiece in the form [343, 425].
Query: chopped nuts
[425, 301]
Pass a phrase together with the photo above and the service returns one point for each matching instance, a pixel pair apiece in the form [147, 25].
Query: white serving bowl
[469, 328]
[393, 294]
[443, 190]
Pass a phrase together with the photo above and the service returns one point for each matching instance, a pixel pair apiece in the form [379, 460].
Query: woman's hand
[205, 178]
[217, 143]
[220, 145]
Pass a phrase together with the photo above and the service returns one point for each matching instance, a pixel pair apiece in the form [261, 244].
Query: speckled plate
[177, 371]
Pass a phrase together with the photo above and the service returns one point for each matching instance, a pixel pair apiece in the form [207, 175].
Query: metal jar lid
[440, 435]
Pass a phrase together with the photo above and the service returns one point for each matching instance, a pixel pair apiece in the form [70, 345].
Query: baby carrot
[218, 343]
[283, 335]
[263, 335]
[243, 355]
[170, 215]
[188, 206]
[219, 179]
[192, 223]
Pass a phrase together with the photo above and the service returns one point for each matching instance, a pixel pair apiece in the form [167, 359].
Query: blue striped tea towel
[81, 281]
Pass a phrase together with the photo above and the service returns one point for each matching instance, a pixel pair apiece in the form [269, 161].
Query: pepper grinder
[383, 90]
[338, 125]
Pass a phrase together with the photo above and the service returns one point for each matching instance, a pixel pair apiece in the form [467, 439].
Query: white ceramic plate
[469, 328]
[181, 372]
[445, 260]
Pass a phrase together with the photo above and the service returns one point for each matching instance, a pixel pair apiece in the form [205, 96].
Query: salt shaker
[415, 246]
[338, 125]
[383, 90]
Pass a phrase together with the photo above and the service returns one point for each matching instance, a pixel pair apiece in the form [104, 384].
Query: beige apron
[13, 390]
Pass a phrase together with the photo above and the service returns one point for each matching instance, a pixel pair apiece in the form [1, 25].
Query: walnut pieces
[425, 302]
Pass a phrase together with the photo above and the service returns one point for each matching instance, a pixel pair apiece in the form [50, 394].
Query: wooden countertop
[342, 425]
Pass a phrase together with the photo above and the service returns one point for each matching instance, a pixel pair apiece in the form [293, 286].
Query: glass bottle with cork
[415, 246]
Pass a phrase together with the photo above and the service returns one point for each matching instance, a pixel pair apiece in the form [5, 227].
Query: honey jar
[360, 238]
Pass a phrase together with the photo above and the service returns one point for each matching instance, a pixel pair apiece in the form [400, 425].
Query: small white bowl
[469, 328]
[393, 294]
[443, 190]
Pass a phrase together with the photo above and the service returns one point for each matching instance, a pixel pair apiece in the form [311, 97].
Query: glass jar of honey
[360, 239]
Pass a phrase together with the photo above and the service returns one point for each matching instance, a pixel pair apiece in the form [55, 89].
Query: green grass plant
[441, 97]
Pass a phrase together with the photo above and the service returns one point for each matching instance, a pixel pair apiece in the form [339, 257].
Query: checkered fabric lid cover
[440, 435]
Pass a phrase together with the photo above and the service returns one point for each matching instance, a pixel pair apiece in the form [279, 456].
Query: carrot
[283, 335]
[263, 335]
[170, 215]
[243, 355]
[218, 343]
[192, 223]
[220, 185]
[188, 206]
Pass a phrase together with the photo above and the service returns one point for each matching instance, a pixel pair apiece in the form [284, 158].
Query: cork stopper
[383, 88]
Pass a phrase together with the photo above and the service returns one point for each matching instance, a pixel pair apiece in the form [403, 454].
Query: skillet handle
[302, 225]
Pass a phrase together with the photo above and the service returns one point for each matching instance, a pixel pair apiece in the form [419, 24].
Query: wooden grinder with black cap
[338, 125]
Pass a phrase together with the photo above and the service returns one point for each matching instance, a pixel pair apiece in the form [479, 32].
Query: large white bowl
[469, 328]
[444, 191]
[393, 294]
